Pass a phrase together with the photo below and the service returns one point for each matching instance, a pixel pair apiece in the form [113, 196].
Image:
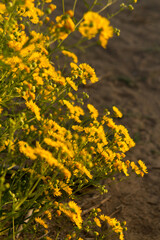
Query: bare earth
[129, 71]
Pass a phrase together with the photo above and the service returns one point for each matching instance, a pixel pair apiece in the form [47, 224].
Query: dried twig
[95, 206]
[89, 199]
[118, 209]
[44, 235]
[27, 217]
[155, 167]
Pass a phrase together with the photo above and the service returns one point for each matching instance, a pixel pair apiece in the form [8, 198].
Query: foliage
[50, 147]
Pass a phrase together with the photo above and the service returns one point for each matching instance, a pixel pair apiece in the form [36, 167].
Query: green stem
[114, 14]
[9, 18]
[107, 5]
[92, 6]
[25, 198]
[63, 6]
[4, 75]
[57, 236]
[13, 229]
[74, 6]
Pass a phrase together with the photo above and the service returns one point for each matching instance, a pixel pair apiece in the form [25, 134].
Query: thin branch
[74, 6]
[63, 6]
[107, 5]
[118, 209]
[96, 206]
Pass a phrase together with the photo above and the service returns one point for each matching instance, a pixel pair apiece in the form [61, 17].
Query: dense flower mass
[53, 143]
[93, 24]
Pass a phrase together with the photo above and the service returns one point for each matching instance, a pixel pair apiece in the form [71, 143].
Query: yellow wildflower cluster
[48, 213]
[75, 111]
[84, 71]
[41, 222]
[27, 150]
[45, 132]
[139, 170]
[29, 10]
[70, 54]
[115, 225]
[73, 211]
[2, 11]
[117, 112]
[64, 25]
[93, 24]
[93, 111]
[34, 108]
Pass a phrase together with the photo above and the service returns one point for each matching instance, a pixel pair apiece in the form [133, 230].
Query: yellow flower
[2, 8]
[64, 25]
[57, 192]
[66, 188]
[70, 13]
[115, 225]
[90, 26]
[117, 112]
[93, 111]
[48, 238]
[52, 7]
[41, 222]
[68, 237]
[135, 168]
[71, 83]
[48, 213]
[97, 222]
[143, 166]
[88, 72]
[105, 34]
[93, 24]
[98, 210]
[69, 24]
[34, 108]
[59, 144]
[70, 54]
[29, 10]
[1, 109]
[26, 51]
[110, 123]
[75, 111]
[83, 170]
[27, 150]
[15, 43]
[74, 213]
[77, 128]
[71, 96]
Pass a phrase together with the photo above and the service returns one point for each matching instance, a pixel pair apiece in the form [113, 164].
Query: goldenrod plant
[51, 144]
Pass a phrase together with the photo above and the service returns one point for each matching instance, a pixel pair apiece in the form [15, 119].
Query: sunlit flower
[117, 112]
[27, 150]
[34, 108]
[70, 54]
[93, 111]
[41, 222]
[93, 24]
[97, 222]
[143, 166]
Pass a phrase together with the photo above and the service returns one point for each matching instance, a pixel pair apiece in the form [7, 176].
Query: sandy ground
[129, 71]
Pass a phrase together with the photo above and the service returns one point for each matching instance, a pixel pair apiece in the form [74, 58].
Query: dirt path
[130, 79]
